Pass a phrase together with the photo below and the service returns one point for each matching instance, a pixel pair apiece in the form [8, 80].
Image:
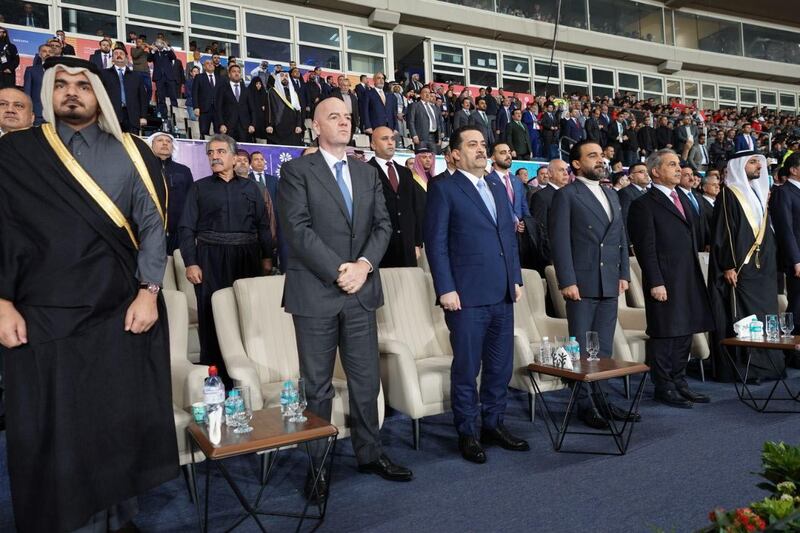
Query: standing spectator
[258, 101]
[630, 144]
[423, 121]
[744, 141]
[592, 126]
[344, 93]
[33, 82]
[179, 180]
[648, 140]
[141, 66]
[461, 117]
[313, 93]
[162, 56]
[531, 120]
[204, 94]
[66, 49]
[377, 107]
[193, 73]
[785, 207]
[126, 93]
[480, 119]
[685, 137]
[663, 133]
[234, 116]
[9, 60]
[699, 158]
[195, 61]
[517, 138]
[102, 56]
[549, 124]
[502, 121]
[285, 114]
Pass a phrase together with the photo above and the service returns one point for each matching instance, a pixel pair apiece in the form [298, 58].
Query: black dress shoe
[673, 399]
[471, 449]
[694, 397]
[321, 494]
[592, 418]
[386, 469]
[619, 414]
[504, 439]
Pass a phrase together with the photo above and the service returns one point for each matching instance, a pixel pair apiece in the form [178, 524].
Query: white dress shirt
[331, 161]
[474, 180]
[666, 190]
[598, 193]
[382, 164]
[711, 200]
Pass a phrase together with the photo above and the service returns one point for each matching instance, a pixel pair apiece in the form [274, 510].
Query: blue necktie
[122, 85]
[348, 200]
[487, 198]
[693, 201]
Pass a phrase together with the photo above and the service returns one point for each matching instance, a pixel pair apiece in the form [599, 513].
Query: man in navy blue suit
[784, 204]
[589, 250]
[472, 252]
[33, 82]
[378, 106]
[164, 75]
[744, 142]
[204, 94]
[515, 190]
[126, 92]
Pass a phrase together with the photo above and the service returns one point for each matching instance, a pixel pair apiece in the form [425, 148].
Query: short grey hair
[222, 138]
[654, 159]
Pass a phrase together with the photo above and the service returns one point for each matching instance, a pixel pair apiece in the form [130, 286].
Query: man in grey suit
[336, 229]
[481, 120]
[461, 118]
[423, 121]
[589, 250]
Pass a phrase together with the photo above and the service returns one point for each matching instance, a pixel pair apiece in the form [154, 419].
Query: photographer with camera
[162, 57]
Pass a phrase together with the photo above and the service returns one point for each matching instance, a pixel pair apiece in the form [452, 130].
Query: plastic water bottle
[231, 408]
[287, 396]
[574, 349]
[213, 392]
[545, 352]
[756, 330]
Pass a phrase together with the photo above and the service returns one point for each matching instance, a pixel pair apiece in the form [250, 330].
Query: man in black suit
[685, 187]
[516, 136]
[711, 188]
[336, 228]
[162, 56]
[313, 92]
[592, 126]
[234, 116]
[639, 180]
[102, 56]
[540, 204]
[126, 92]
[204, 94]
[648, 142]
[590, 254]
[33, 82]
[66, 49]
[676, 299]
[405, 202]
[663, 134]
[549, 125]
[461, 117]
[343, 92]
[785, 207]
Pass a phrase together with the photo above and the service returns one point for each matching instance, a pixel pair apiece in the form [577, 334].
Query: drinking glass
[787, 324]
[244, 411]
[771, 327]
[592, 345]
[300, 403]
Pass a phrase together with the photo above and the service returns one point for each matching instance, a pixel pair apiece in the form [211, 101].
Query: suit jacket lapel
[359, 184]
[466, 185]
[326, 178]
[588, 199]
[662, 199]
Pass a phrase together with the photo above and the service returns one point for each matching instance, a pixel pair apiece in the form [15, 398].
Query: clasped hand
[352, 276]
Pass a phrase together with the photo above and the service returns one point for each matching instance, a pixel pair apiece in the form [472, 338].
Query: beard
[595, 173]
[755, 176]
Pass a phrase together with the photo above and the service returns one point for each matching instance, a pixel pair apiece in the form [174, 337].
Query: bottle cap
[212, 371]
[233, 393]
[545, 338]
[572, 338]
[287, 383]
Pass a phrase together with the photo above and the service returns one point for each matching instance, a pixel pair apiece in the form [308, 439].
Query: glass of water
[787, 324]
[244, 411]
[300, 402]
[592, 345]
[771, 327]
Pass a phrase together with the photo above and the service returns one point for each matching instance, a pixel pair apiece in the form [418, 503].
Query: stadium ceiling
[775, 11]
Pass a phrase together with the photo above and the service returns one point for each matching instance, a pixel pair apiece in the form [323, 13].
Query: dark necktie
[211, 79]
[121, 74]
[236, 91]
[392, 176]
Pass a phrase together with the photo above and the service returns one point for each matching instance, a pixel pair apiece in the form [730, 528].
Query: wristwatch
[152, 288]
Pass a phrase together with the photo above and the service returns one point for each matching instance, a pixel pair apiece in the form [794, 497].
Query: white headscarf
[151, 139]
[737, 179]
[293, 101]
[107, 119]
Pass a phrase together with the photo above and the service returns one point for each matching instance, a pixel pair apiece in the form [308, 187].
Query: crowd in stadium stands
[248, 109]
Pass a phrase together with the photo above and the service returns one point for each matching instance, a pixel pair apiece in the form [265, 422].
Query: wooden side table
[591, 373]
[740, 382]
[271, 432]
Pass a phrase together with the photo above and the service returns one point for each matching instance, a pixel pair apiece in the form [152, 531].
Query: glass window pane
[669, 36]
[315, 33]
[768, 98]
[320, 57]
[627, 19]
[691, 89]
[479, 4]
[575, 73]
[88, 23]
[365, 42]
[482, 59]
[162, 9]
[629, 81]
[788, 100]
[543, 89]
[674, 87]
[267, 26]
[213, 17]
[545, 68]
[771, 44]
[173, 37]
[26, 13]
[711, 35]
[226, 48]
[580, 90]
[603, 77]
[573, 12]
[708, 104]
[483, 78]
[653, 85]
[709, 91]
[602, 91]
[269, 50]
[517, 65]
[364, 63]
[448, 54]
[727, 93]
[448, 68]
[110, 5]
[516, 86]
[748, 95]
[441, 77]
